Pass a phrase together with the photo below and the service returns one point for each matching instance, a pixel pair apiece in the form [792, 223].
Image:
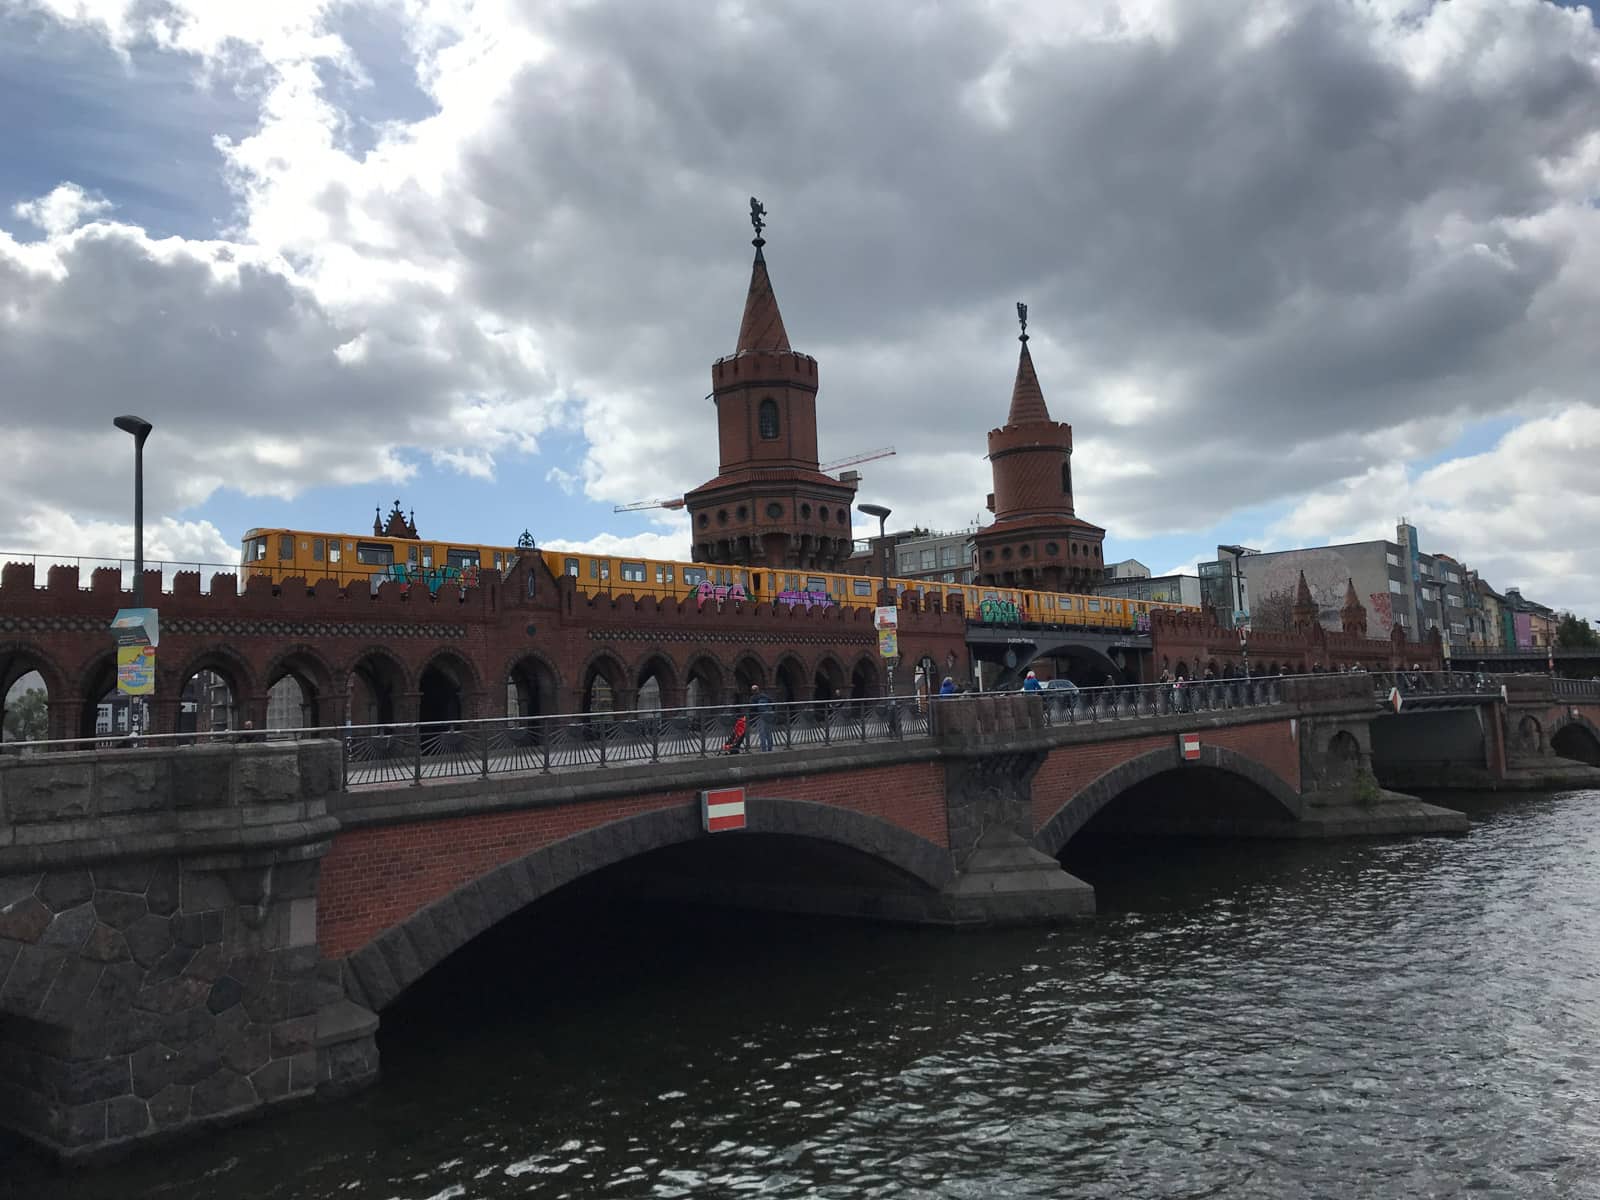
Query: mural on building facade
[1328, 572]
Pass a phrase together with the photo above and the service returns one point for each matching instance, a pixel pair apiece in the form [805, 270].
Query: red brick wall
[377, 877]
[1071, 769]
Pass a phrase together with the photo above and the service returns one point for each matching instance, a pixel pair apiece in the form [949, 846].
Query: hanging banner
[136, 627]
[886, 616]
[136, 670]
[888, 643]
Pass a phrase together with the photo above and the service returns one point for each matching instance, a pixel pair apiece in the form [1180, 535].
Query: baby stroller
[736, 743]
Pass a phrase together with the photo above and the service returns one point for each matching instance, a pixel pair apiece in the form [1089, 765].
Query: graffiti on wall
[432, 578]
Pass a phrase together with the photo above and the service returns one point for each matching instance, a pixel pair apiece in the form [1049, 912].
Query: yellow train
[288, 553]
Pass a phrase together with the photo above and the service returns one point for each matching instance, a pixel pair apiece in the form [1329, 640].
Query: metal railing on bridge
[411, 752]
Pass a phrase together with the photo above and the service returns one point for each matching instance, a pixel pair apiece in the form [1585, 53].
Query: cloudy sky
[1295, 269]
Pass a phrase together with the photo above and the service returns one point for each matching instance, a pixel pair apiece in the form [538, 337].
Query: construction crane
[854, 459]
[639, 505]
[677, 501]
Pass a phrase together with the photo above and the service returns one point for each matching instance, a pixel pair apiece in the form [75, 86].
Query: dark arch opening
[747, 673]
[439, 698]
[656, 686]
[864, 682]
[828, 682]
[1193, 800]
[705, 686]
[603, 686]
[790, 682]
[375, 686]
[530, 689]
[1577, 741]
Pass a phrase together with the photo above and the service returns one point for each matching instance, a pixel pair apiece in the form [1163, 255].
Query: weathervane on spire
[1022, 315]
[758, 218]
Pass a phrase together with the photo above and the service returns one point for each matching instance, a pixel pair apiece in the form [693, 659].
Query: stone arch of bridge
[533, 686]
[378, 685]
[865, 681]
[19, 660]
[603, 683]
[447, 688]
[705, 682]
[312, 674]
[827, 681]
[1576, 737]
[96, 680]
[225, 664]
[659, 670]
[748, 671]
[791, 681]
[1115, 783]
[380, 971]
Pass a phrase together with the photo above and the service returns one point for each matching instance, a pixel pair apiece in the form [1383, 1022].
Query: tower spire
[762, 326]
[1027, 398]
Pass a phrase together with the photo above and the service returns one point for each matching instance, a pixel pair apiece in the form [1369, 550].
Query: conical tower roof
[762, 327]
[1027, 398]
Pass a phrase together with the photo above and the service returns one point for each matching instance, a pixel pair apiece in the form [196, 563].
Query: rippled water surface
[1406, 1018]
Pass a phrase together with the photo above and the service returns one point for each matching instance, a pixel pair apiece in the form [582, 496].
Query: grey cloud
[1271, 238]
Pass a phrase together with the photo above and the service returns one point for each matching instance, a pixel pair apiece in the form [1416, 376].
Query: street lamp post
[882, 513]
[140, 429]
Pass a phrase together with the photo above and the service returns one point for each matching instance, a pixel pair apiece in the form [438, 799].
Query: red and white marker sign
[1189, 743]
[1394, 699]
[722, 809]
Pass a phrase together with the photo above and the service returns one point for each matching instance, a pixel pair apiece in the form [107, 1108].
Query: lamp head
[874, 510]
[138, 426]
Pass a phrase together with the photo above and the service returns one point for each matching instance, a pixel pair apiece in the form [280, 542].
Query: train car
[288, 553]
[283, 554]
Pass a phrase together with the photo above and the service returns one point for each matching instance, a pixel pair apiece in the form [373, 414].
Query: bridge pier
[158, 918]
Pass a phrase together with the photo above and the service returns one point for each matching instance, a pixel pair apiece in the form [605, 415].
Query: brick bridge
[533, 643]
[191, 934]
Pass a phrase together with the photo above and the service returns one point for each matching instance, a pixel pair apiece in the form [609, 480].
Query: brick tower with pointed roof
[1353, 616]
[770, 505]
[1304, 614]
[1037, 539]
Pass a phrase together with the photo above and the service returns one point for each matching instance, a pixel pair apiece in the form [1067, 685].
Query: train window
[605, 568]
[669, 572]
[863, 587]
[569, 566]
[594, 568]
[1093, 605]
[633, 572]
[461, 558]
[285, 547]
[379, 554]
[694, 576]
[661, 573]
[816, 583]
[1048, 602]
[316, 549]
[499, 561]
[333, 549]
[427, 556]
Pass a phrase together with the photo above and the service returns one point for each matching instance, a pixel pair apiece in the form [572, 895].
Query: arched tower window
[1066, 478]
[769, 418]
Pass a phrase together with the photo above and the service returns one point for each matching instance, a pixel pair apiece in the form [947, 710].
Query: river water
[1250, 1019]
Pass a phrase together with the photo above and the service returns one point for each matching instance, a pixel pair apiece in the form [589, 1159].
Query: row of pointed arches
[216, 689]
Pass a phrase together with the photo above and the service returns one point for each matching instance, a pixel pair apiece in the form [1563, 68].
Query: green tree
[27, 718]
[1573, 633]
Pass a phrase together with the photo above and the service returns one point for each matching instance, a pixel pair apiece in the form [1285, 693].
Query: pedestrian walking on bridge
[761, 715]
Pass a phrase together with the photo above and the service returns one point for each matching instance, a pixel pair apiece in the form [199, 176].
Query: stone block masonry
[158, 961]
